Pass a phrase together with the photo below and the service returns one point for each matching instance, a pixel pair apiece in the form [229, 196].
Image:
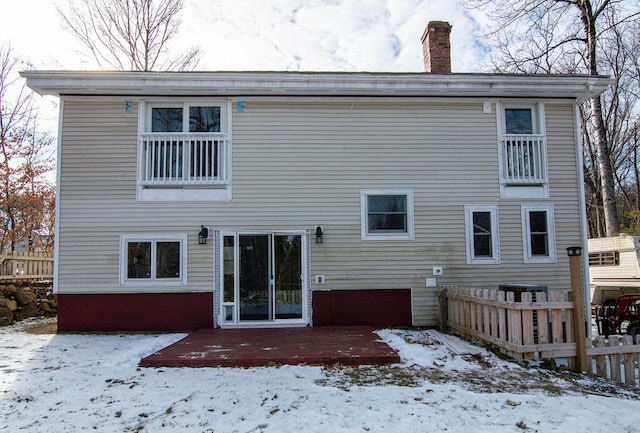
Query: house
[206, 199]
[614, 267]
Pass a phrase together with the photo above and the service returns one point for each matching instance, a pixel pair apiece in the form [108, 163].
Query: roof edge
[265, 83]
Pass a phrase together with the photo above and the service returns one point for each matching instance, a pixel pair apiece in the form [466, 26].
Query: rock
[44, 306]
[9, 304]
[24, 297]
[29, 310]
[9, 291]
[6, 316]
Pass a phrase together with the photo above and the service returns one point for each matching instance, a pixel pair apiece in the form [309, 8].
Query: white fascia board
[58, 83]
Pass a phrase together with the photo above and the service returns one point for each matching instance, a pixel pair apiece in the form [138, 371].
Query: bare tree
[563, 36]
[27, 196]
[129, 34]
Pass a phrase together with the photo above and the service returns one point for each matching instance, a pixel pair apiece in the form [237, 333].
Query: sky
[293, 35]
[258, 35]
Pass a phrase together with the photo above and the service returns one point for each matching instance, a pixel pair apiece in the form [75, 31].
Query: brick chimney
[436, 47]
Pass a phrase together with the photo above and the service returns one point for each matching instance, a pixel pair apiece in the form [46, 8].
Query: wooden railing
[26, 266]
[524, 159]
[289, 296]
[534, 330]
[183, 159]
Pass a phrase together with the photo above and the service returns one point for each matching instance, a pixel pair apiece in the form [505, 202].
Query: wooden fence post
[579, 320]
[443, 309]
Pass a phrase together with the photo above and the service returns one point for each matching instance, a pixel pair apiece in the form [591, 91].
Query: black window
[387, 213]
[518, 121]
[539, 233]
[482, 238]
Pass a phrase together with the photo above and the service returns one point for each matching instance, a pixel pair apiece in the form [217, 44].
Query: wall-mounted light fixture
[203, 235]
[574, 251]
[319, 235]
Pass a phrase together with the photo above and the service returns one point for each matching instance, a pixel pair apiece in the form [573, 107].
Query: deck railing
[524, 159]
[535, 330]
[176, 159]
[26, 266]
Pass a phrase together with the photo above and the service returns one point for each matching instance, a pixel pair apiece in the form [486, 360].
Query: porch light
[574, 251]
[319, 235]
[203, 235]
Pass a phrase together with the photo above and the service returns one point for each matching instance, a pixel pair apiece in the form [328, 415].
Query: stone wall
[21, 302]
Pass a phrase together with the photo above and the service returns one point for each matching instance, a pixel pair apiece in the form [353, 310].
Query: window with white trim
[387, 214]
[522, 150]
[481, 227]
[538, 234]
[184, 146]
[153, 259]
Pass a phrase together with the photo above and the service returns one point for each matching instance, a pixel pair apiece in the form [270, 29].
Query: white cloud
[325, 35]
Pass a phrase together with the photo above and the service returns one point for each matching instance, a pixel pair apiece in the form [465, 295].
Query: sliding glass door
[262, 278]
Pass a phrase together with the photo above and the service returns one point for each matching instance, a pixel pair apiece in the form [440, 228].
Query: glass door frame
[229, 312]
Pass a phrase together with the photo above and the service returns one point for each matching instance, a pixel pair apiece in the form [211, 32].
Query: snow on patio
[86, 382]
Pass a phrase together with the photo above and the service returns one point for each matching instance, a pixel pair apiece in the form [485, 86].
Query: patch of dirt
[488, 380]
[45, 326]
[493, 376]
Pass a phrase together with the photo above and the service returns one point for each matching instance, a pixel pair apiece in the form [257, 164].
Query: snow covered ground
[73, 383]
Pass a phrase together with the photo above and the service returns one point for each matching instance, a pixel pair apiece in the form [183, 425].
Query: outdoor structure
[204, 199]
[614, 267]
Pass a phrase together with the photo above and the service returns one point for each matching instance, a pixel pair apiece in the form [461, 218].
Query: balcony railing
[176, 159]
[524, 159]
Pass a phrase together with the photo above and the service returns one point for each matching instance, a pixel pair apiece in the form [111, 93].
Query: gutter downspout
[583, 215]
[56, 224]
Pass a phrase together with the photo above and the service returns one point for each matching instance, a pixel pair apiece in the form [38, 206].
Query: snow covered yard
[69, 383]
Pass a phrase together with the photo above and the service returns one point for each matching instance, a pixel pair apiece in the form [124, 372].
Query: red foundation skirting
[377, 308]
[169, 312]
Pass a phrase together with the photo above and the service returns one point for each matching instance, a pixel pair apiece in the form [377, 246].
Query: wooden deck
[325, 345]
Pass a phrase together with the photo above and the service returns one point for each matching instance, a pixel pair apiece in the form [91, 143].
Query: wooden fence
[26, 266]
[534, 329]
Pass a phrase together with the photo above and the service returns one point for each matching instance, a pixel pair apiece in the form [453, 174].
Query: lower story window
[153, 259]
[538, 235]
[387, 214]
[481, 223]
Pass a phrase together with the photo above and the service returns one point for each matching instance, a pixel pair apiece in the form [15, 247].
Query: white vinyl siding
[302, 163]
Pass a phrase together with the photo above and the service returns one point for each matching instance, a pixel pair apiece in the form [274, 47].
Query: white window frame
[153, 238]
[406, 236]
[186, 104]
[469, 210]
[537, 115]
[539, 128]
[526, 209]
[201, 193]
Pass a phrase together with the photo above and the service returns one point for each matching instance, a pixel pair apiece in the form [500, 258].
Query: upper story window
[185, 118]
[387, 214]
[523, 150]
[481, 224]
[184, 145]
[538, 234]
[519, 120]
